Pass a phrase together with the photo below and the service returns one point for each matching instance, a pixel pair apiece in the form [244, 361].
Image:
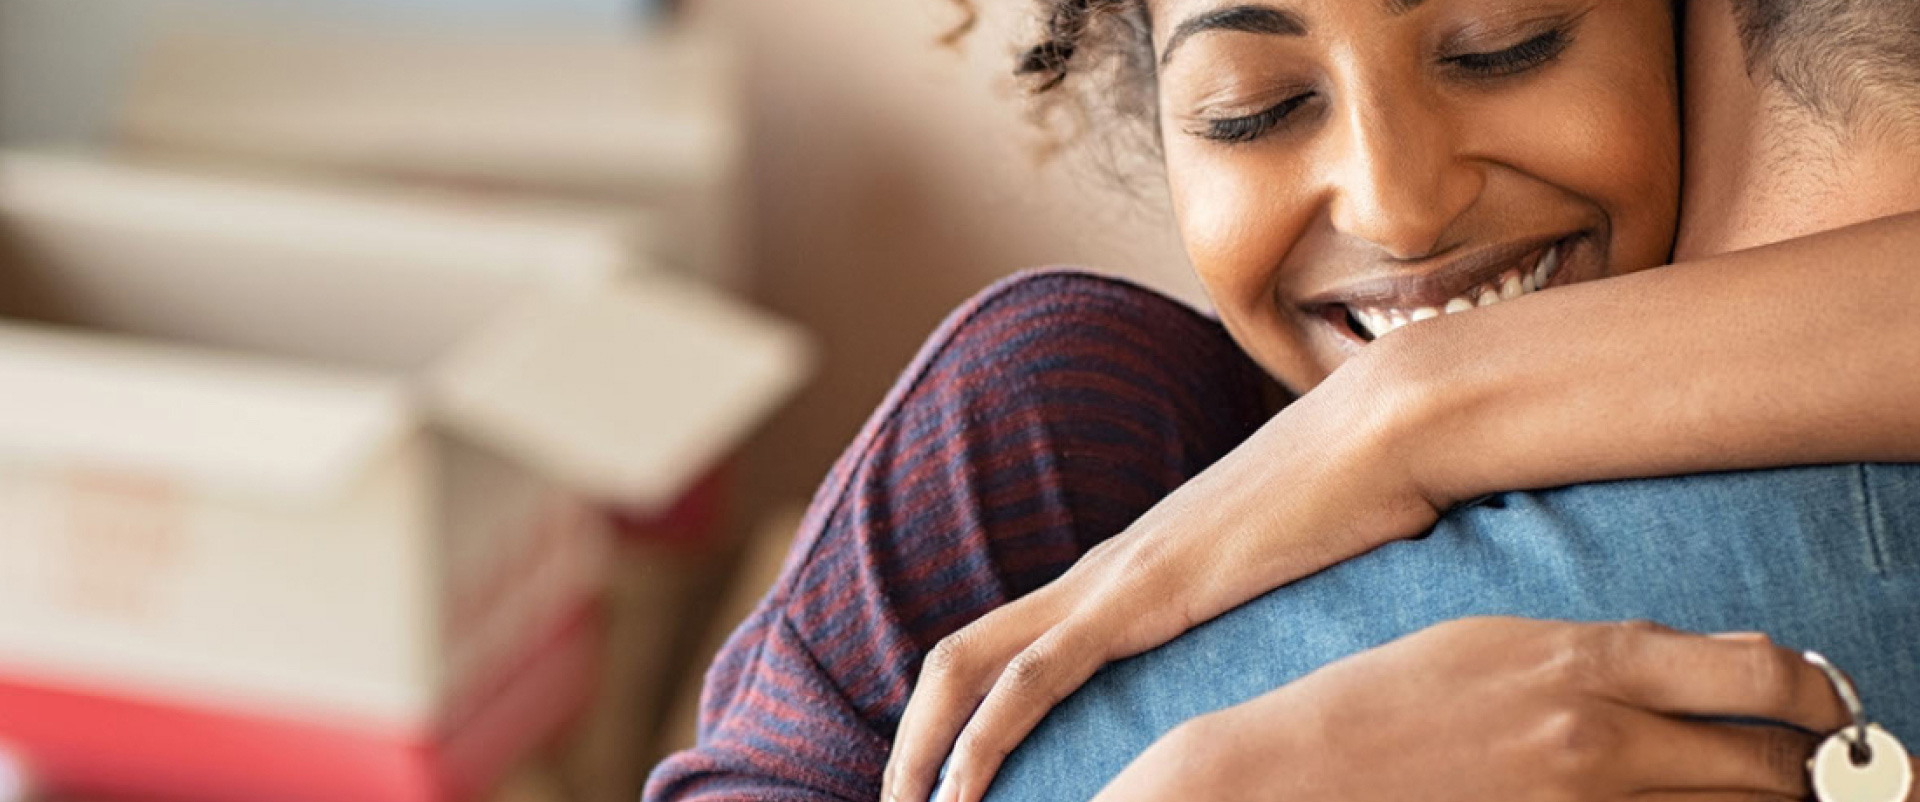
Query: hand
[1321, 482]
[1511, 709]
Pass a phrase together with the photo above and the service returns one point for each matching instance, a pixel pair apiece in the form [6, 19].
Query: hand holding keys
[1861, 762]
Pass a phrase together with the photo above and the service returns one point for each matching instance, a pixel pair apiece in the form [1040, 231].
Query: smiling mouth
[1536, 272]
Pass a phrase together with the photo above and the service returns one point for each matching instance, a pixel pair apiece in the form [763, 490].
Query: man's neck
[1760, 169]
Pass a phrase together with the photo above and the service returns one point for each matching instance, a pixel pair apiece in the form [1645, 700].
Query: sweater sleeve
[1043, 417]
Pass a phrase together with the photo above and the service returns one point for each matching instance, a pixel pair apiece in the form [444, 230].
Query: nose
[1397, 177]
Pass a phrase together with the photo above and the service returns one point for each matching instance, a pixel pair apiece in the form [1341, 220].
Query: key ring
[1850, 697]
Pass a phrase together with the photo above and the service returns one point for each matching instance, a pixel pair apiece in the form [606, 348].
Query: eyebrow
[1247, 19]
[1260, 19]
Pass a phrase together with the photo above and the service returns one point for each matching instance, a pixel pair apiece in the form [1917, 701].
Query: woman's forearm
[1798, 353]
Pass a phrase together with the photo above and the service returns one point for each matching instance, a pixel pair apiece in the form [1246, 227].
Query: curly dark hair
[1831, 56]
[1076, 25]
[1090, 72]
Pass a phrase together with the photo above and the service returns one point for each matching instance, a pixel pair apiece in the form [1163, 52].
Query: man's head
[1848, 61]
[1801, 116]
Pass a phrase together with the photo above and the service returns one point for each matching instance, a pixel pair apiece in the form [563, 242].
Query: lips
[1367, 308]
[1514, 282]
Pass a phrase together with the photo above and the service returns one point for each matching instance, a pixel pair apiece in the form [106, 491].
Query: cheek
[1240, 213]
[1639, 156]
[1631, 147]
[1610, 136]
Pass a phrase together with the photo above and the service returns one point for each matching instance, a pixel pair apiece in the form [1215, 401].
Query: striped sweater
[1044, 415]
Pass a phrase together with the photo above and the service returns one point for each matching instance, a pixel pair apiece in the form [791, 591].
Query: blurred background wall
[64, 64]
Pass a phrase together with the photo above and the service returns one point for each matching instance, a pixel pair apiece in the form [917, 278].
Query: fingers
[1713, 796]
[1744, 675]
[1696, 756]
[951, 684]
[983, 689]
[1004, 671]
[1033, 682]
[956, 675]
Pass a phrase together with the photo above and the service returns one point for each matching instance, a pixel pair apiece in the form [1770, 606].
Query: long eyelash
[1513, 60]
[1253, 126]
[1519, 58]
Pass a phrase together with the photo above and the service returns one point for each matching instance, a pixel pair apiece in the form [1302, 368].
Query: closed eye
[1234, 130]
[1516, 59]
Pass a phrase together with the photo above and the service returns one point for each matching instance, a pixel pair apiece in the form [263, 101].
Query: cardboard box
[321, 453]
[653, 119]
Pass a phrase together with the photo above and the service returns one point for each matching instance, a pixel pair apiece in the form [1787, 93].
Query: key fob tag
[1861, 762]
[1838, 774]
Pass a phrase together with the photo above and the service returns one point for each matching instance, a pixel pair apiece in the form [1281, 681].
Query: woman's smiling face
[1340, 167]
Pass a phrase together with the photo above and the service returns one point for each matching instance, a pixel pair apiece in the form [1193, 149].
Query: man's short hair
[1841, 59]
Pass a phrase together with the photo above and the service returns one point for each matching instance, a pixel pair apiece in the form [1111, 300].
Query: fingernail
[1748, 636]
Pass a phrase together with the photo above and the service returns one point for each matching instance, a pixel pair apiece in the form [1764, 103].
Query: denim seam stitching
[1876, 527]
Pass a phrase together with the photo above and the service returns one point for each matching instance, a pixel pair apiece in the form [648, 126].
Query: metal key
[1861, 762]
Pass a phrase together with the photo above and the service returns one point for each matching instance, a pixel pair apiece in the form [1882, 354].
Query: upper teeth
[1506, 287]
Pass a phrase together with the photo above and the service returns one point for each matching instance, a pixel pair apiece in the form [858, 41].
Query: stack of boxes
[316, 389]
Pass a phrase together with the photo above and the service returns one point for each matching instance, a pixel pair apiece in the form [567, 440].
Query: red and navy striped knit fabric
[1044, 416]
